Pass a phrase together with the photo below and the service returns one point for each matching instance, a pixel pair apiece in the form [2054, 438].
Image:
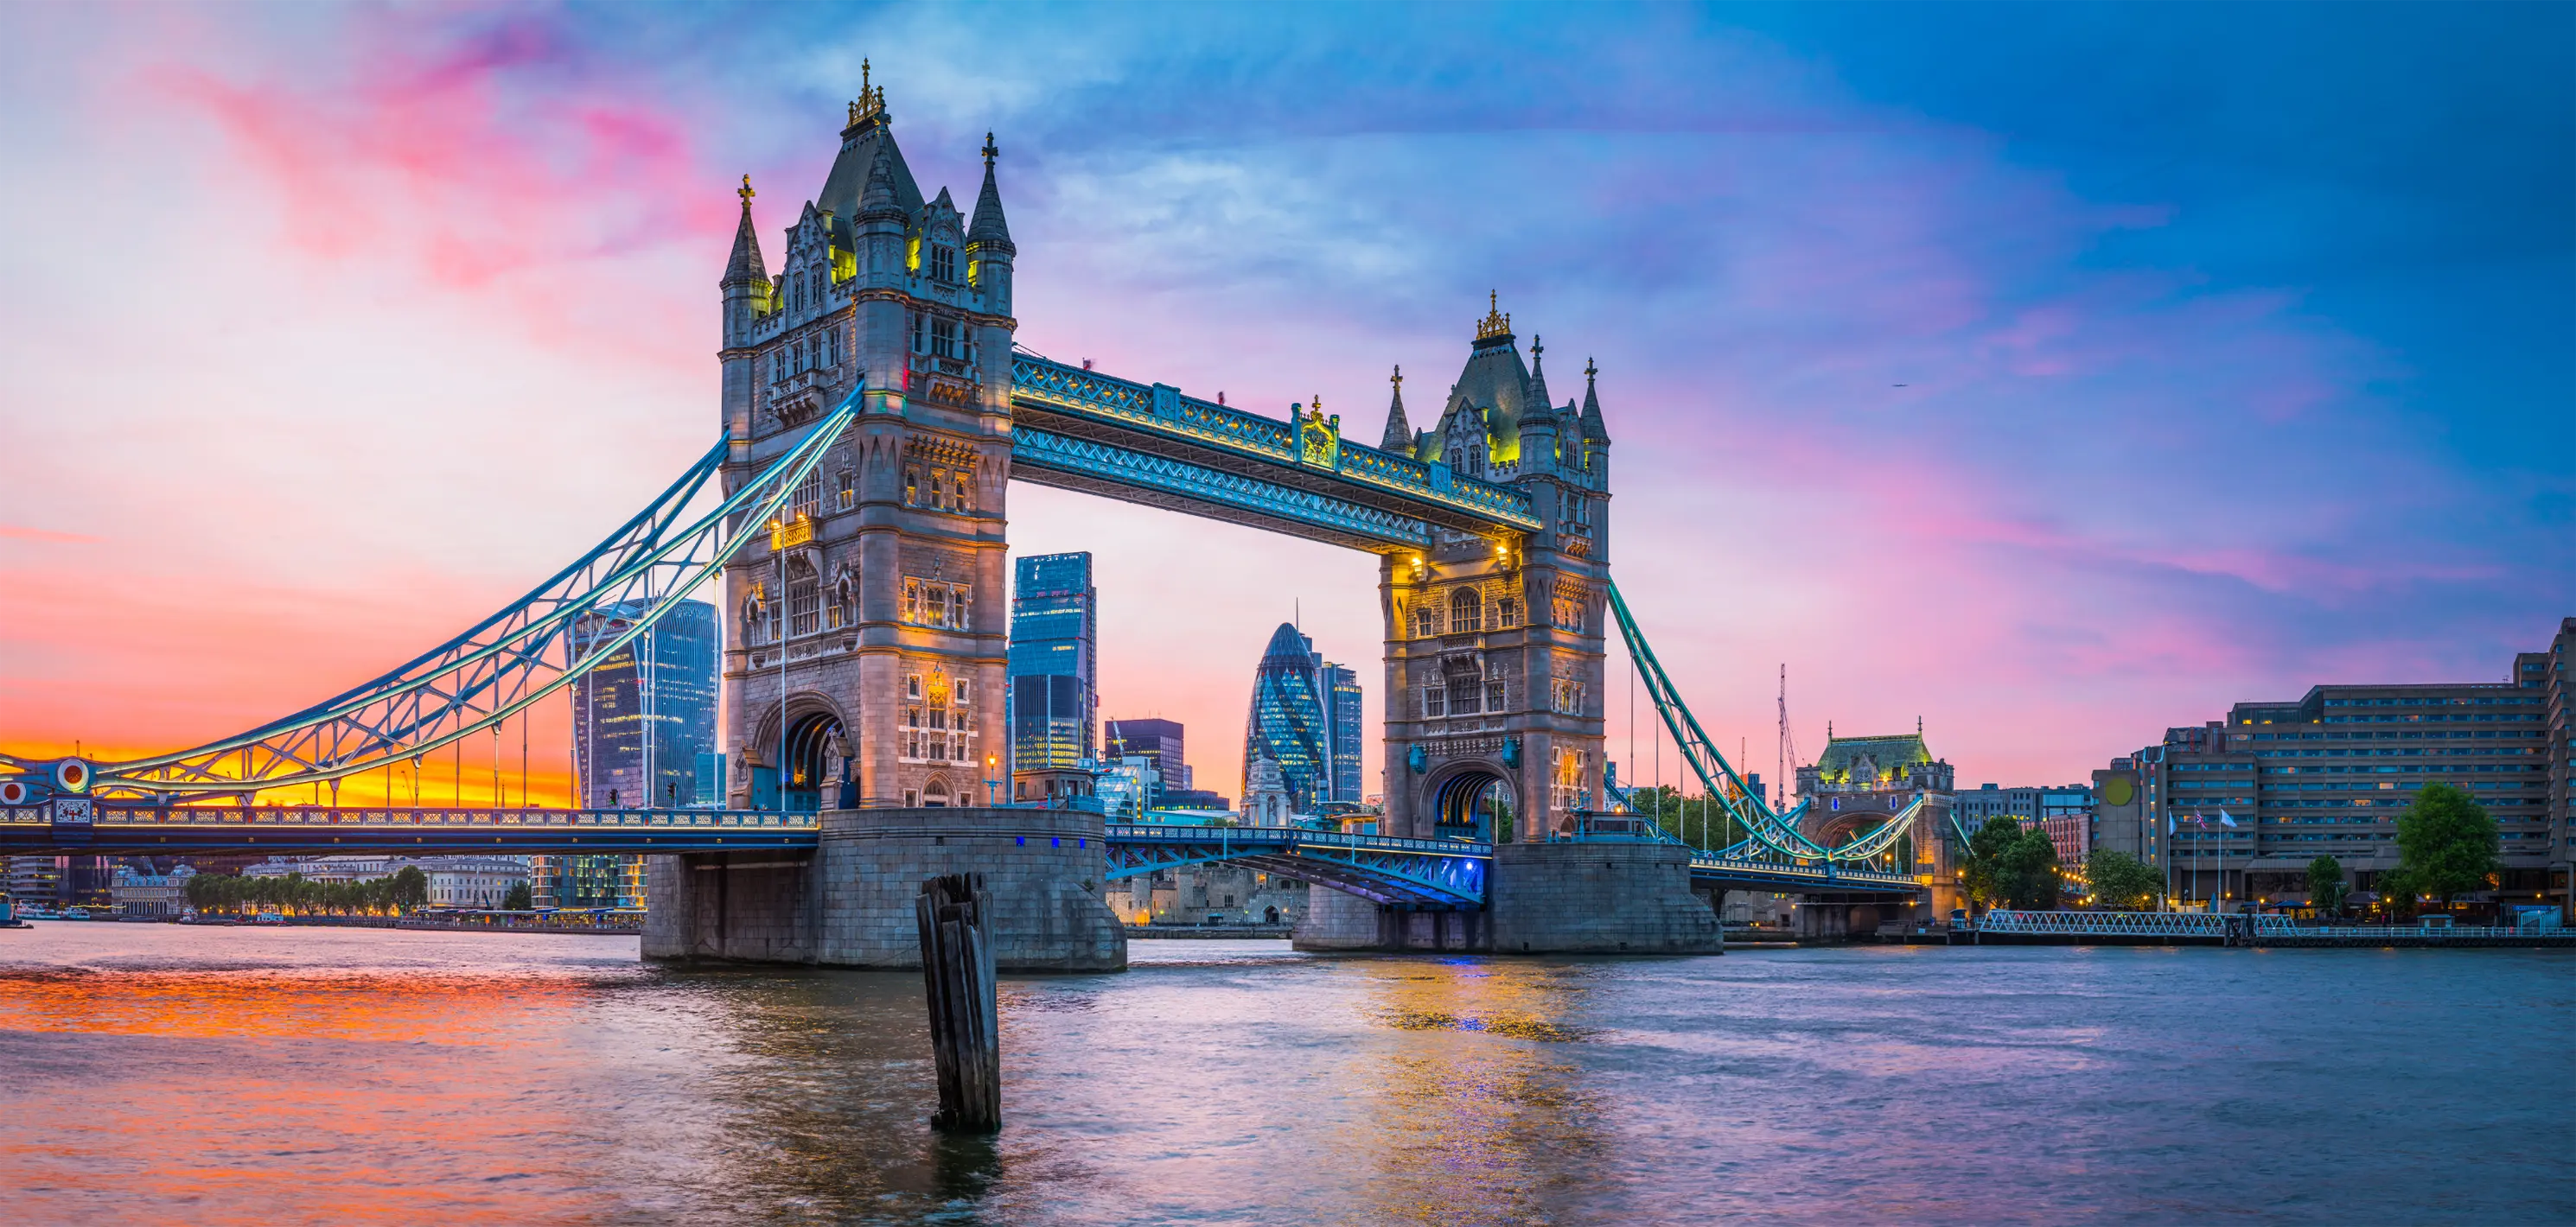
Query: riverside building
[2328, 774]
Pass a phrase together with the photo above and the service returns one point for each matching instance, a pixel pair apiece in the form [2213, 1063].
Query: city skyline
[2337, 487]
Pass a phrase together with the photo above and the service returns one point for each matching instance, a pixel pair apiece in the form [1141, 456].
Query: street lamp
[992, 763]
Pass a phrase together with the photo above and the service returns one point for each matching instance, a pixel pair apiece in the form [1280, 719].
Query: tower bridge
[875, 406]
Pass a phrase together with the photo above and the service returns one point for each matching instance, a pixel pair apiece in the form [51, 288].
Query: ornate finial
[1536, 347]
[871, 101]
[1496, 324]
[1316, 403]
[1397, 378]
[991, 151]
[1589, 370]
[745, 192]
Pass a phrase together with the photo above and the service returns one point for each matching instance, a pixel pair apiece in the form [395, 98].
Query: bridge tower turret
[865, 653]
[1494, 646]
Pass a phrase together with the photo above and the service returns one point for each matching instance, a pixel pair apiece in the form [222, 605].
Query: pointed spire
[1593, 427]
[746, 267]
[878, 198]
[989, 229]
[1538, 374]
[1399, 433]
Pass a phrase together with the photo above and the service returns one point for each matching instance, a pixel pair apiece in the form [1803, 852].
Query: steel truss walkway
[1147, 443]
[1425, 874]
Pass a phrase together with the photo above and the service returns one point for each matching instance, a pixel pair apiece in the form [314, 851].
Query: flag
[2224, 819]
[2169, 824]
[2198, 821]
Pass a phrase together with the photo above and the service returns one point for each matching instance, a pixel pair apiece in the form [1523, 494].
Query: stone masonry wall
[752, 907]
[1044, 871]
[1598, 898]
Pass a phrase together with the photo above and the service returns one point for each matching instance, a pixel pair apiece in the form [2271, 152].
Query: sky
[2047, 374]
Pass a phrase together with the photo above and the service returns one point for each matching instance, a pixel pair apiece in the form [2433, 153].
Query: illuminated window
[912, 613]
[1426, 618]
[957, 491]
[808, 499]
[848, 496]
[911, 486]
[1507, 613]
[1569, 609]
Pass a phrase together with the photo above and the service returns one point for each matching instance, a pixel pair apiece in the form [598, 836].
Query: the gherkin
[1288, 723]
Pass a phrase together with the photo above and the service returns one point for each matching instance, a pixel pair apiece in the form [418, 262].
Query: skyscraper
[1159, 743]
[1344, 683]
[1289, 723]
[1054, 663]
[638, 734]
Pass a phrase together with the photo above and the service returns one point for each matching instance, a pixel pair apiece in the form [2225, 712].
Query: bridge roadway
[1419, 874]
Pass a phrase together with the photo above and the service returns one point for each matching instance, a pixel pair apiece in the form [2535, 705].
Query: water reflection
[1474, 1120]
[236, 1076]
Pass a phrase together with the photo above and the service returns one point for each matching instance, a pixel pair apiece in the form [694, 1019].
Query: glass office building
[637, 734]
[644, 722]
[1053, 662]
[1344, 684]
[1289, 722]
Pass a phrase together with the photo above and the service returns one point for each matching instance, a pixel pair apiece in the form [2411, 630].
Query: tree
[519, 898]
[2446, 843]
[2326, 886]
[1979, 870]
[2028, 871]
[2120, 881]
[407, 889]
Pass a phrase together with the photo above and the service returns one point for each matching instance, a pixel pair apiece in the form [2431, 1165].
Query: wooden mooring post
[957, 974]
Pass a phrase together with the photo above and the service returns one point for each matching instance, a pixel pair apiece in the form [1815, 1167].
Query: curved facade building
[1290, 722]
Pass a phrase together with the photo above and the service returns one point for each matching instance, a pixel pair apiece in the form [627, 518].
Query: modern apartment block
[2329, 773]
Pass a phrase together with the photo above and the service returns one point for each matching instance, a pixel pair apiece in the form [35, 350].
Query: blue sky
[2238, 342]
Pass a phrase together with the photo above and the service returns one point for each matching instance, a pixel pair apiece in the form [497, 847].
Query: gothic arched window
[1466, 611]
[804, 598]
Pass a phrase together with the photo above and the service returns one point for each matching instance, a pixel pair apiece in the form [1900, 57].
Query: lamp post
[992, 784]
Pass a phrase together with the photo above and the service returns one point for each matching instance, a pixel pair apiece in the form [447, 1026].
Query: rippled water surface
[155, 1073]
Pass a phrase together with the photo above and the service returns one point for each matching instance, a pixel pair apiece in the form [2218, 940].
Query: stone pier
[1599, 898]
[850, 905]
[1556, 898]
[1340, 922]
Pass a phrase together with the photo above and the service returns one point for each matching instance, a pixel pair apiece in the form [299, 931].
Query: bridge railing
[2105, 924]
[1291, 837]
[1818, 873]
[199, 817]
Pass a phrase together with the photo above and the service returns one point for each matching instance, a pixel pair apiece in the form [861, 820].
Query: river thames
[267, 1076]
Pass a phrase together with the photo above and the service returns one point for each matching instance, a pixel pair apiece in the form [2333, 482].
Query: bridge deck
[1435, 873]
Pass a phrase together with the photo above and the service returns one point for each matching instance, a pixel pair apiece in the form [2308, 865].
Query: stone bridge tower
[864, 667]
[1494, 651]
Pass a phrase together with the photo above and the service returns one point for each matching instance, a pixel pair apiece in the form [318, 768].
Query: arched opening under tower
[815, 766]
[1472, 804]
